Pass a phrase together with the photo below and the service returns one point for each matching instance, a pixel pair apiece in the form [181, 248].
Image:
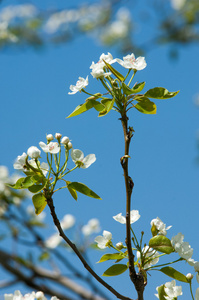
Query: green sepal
[161, 292]
[154, 230]
[171, 272]
[39, 202]
[82, 188]
[114, 71]
[115, 270]
[138, 87]
[160, 93]
[145, 106]
[161, 243]
[114, 256]
[108, 103]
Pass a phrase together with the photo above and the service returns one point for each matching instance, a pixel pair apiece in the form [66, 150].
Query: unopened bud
[189, 276]
[69, 145]
[33, 152]
[119, 246]
[39, 296]
[65, 140]
[58, 136]
[49, 137]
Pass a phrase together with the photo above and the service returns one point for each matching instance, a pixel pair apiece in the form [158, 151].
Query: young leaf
[39, 202]
[82, 188]
[145, 106]
[97, 105]
[161, 243]
[115, 270]
[114, 71]
[160, 93]
[72, 192]
[126, 89]
[36, 188]
[81, 108]
[171, 272]
[138, 87]
[113, 256]
[22, 183]
[108, 103]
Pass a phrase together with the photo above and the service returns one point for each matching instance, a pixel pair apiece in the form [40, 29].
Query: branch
[73, 246]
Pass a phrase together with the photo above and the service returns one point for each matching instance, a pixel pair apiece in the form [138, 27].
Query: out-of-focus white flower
[197, 294]
[30, 296]
[177, 4]
[40, 296]
[11, 12]
[49, 137]
[79, 159]
[31, 211]
[67, 222]
[182, 248]
[105, 240]
[53, 241]
[196, 266]
[151, 257]
[65, 140]
[134, 216]
[20, 163]
[52, 147]
[33, 152]
[93, 226]
[160, 226]
[3, 172]
[130, 62]
[80, 84]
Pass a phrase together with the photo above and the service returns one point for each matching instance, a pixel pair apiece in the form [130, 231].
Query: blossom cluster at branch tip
[134, 216]
[172, 291]
[33, 152]
[160, 226]
[80, 84]
[130, 62]
[105, 240]
[30, 296]
[79, 159]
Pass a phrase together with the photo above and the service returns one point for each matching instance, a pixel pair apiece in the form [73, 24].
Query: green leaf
[145, 106]
[97, 105]
[126, 89]
[44, 256]
[82, 188]
[138, 87]
[22, 183]
[36, 188]
[160, 93]
[81, 109]
[72, 192]
[113, 256]
[114, 71]
[115, 270]
[171, 272]
[161, 243]
[161, 292]
[108, 103]
[39, 202]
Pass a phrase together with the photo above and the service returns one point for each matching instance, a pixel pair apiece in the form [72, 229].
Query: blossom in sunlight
[65, 140]
[105, 240]
[98, 68]
[67, 222]
[30, 296]
[79, 159]
[182, 248]
[49, 137]
[33, 152]
[172, 291]
[130, 62]
[80, 84]
[44, 167]
[151, 257]
[53, 241]
[93, 226]
[134, 216]
[160, 226]
[52, 147]
[20, 163]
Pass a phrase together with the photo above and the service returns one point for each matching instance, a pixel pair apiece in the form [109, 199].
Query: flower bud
[69, 145]
[119, 246]
[65, 140]
[39, 295]
[189, 276]
[58, 136]
[33, 152]
[49, 137]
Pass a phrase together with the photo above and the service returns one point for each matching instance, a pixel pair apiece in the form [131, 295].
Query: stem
[191, 291]
[137, 279]
[74, 248]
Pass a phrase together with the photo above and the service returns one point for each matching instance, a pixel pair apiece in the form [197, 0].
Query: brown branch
[74, 248]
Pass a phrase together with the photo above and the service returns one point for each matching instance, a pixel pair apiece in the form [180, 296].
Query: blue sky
[35, 102]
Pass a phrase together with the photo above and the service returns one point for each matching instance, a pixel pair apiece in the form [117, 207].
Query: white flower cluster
[172, 291]
[30, 296]
[93, 226]
[98, 69]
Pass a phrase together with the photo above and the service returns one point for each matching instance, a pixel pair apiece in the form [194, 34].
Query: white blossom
[134, 216]
[52, 147]
[67, 222]
[80, 84]
[177, 4]
[172, 290]
[49, 137]
[151, 256]
[79, 159]
[20, 163]
[53, 241]
[105, 240]
[30, 296]
[93, 226]
[44, 167]
[130, 62]
[33, 152]
[182, 248]
[58, 136]
[65, 140]
[98, 68]
[160, 226]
